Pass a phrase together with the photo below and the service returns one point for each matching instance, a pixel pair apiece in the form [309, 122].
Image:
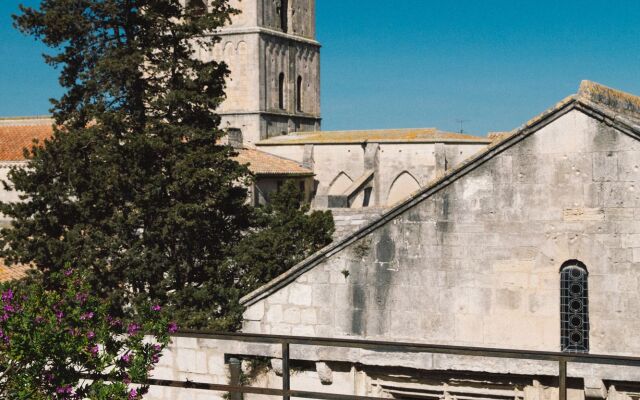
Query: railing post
[286, 385]
[235, 368]
[562, 379]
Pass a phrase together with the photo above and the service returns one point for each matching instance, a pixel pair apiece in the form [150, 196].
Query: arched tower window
[299, 94]
[281, 91]
[284, 17]
[574, 307]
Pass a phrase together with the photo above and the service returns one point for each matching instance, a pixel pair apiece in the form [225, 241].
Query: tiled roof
[14, 138]
[261, 163]
[424, 135]
[13, 272]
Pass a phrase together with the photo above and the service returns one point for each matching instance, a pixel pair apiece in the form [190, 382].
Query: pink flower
[81, 297]
[94, 349]
[91, 335]
[132, 329]
[156, 308]
[68, 272]
[86, 316]
[126, 358]
[173, 327]
[133, 394]
[7, 295]
[64, 389]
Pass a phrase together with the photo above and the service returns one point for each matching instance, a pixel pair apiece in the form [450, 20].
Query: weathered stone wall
[8, 195]
[351, 371]
[477, 263]
[300, 16]
[257, 51]
[348, 220]
[421, 162]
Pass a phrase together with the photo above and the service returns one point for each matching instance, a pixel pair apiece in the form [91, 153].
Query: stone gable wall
[478, 263]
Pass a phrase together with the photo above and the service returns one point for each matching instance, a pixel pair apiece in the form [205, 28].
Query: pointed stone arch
[404, 185]
[339, 184]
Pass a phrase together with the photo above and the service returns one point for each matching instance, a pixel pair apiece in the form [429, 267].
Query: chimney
[234, 136]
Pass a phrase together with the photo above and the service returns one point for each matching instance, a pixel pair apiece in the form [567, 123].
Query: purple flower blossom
[86, 316]
[68, 272]
[173, 327]
[7, 295]
[59, 315]
[133, 394]
[9, 308]
[132, 329]
[66, 389]
[156, 307]
[81, 297]
[94, 349]
[126, 358]
[157, 348]
[91, 335]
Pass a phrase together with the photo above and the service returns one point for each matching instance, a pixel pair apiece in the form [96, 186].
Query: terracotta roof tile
[429, 135]
[10, 273]
[261, 163]
[14, 138]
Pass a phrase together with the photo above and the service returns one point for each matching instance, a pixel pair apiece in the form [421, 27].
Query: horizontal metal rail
[417, 348]
[383, 346]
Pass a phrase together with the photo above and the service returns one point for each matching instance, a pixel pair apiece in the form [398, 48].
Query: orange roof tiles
[428, 135]
[14, 138]
[261, 163]
[13, 272]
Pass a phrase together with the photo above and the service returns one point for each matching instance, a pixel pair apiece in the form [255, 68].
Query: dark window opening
[284, 18]
[299, 94]
[196, 7]
[367, 197]
[574, 307]
[281, 91]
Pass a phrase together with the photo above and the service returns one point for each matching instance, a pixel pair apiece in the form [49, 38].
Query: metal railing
[286, 341]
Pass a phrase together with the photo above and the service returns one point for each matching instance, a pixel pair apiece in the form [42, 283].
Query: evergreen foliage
[287, 234]
[134, 187]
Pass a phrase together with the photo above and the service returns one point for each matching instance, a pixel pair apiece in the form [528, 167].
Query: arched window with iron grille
[574, 307]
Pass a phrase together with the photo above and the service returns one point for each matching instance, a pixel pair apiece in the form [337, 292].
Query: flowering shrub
[51, 341]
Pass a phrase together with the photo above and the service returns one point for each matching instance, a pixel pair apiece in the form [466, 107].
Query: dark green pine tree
[134, 185]
[287, 233]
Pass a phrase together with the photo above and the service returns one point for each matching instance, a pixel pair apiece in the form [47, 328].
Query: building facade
[274, 87]
[533, 243]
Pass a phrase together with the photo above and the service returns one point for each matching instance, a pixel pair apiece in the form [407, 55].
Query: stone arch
[339, 184]
[241, 48]
[228, 50]
[404, 185]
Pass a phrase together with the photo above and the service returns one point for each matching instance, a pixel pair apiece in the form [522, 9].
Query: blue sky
[422, 63]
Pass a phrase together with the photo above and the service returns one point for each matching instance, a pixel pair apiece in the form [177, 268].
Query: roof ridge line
[451, 176]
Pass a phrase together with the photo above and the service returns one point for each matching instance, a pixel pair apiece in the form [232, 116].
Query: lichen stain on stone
[386, 248]
[605, 138]
[358, 306]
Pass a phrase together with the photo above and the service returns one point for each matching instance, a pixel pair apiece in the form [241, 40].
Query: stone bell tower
[274, 87]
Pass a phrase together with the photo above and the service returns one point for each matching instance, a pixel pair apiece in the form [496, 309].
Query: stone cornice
[269, 32]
